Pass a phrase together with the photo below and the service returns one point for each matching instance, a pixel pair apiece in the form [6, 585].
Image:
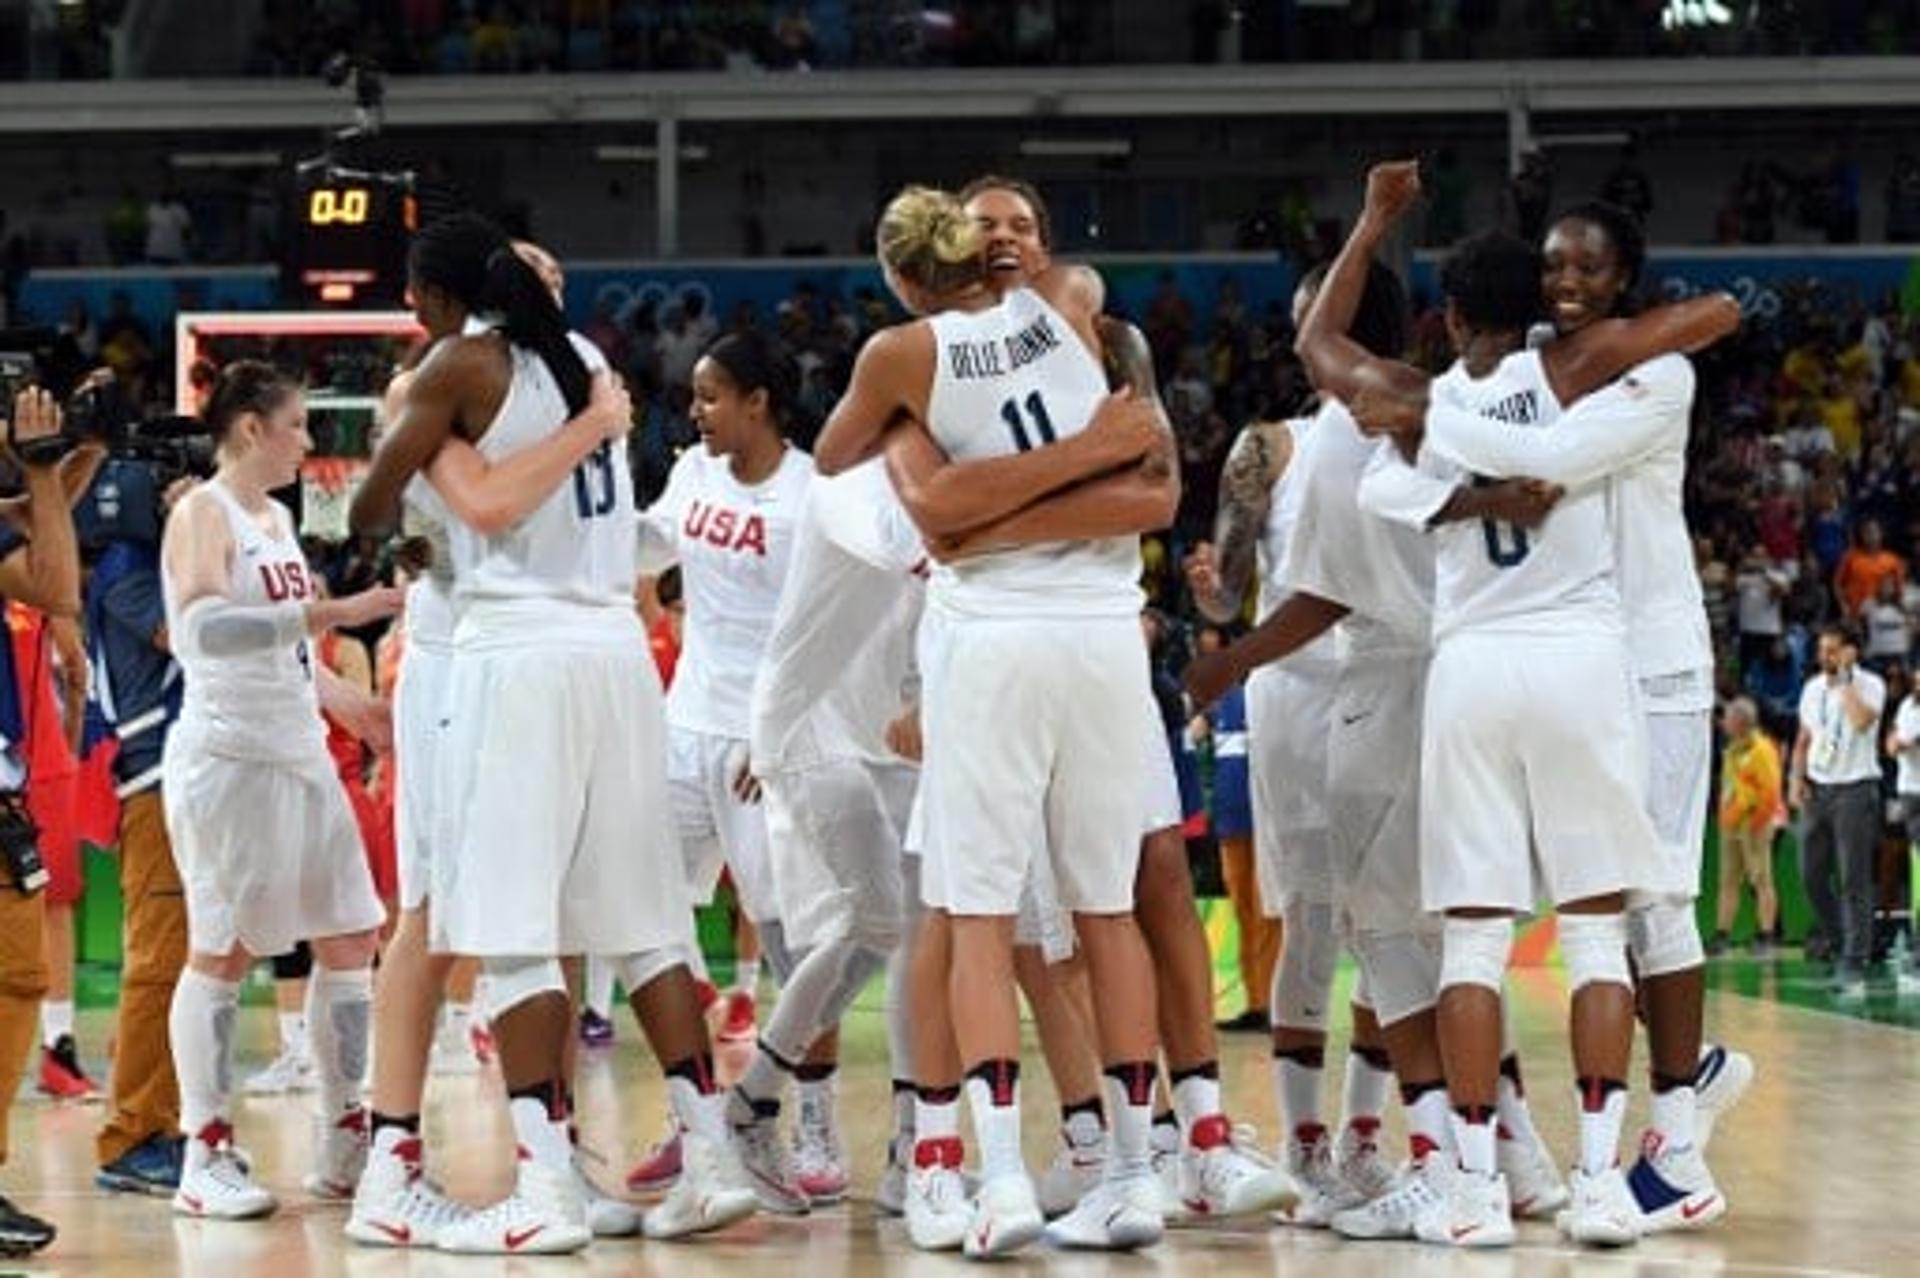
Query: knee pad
[512, 981]
[780, 958]
[1664, 937]
[1475, 952]
[637, 971]
[1303, 979]
[1595, 949]
[1401, 971]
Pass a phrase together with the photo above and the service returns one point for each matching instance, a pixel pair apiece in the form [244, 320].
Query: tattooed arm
[1219, 573]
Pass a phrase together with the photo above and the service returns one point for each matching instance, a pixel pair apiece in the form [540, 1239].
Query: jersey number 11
[1042, 424]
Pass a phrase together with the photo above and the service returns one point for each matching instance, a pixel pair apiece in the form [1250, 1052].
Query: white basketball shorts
[1288, 713]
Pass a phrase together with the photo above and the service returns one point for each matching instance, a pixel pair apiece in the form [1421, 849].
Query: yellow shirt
[1750, 784]
[1841, 416]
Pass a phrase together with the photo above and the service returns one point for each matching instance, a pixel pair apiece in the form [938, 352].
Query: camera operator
[41, 568]
[139, 1148]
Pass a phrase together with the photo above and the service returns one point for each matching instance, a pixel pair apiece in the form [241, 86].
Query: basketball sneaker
[340, 1157]
[1006, 1217]
[396, 1205]
[22, 1234]
[1477, 1213]
[713, 1192]
[755, 1138]
[1163, 1151]
[1221, 1173]
[1357, 1157]
[1077, 1164]
[1419, 1190]
[736, 1017]
[1115, 1215]
[291, 1071]
[657, 1172]
[216, 1180]
[1321, 1193]
[935, 1203]
[60, 1074]
[607, 1216]
[1718, 1085]
[151, 1167]
[1673, 1187]
[544, 1215]
[819, 1161]
[890, 1195]
[595, 1029]
[1538, 1192]
[1603, 1212]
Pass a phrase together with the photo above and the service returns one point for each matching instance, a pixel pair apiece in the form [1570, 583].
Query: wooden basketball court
[1821, 1164]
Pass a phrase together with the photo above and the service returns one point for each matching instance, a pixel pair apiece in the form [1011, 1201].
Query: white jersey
[838, 659]
[1632, 436]
[1005, 380]
[1381, 570]
[1492, 576]
[576, 547]
[734, 543]
[429, 618]
[260, 706]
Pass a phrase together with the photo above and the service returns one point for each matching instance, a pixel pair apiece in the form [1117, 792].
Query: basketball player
[990, 377]
[1500, 775]
[266, 843]
[396, 1204]
[727, 519]
[549, 668]
[1290, 712]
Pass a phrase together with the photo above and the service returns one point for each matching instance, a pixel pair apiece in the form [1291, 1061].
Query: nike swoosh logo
[515, 1241]
[1351, 719]
[1693, 1211]
[195, 1204]
[401, 1234]
[1461, 1231]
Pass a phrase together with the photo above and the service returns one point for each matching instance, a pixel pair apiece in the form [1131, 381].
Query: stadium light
[1695, 13]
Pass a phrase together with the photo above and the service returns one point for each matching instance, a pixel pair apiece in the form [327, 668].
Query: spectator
[1716, 589]
[1750, 813]
[1863, 568]
[1836, 788]
[1762, 586]
[678, 348]
[1889, 630]
[1168, 326]
[169, 230]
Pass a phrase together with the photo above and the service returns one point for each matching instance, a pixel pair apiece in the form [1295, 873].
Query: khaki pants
[23, 981]
[1259, 935]
[1746, 856]
[146, 1096]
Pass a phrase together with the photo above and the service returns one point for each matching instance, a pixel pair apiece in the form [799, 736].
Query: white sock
[817, 1098]
[456, 1020]
[1600, 1132]
[56, 1021]
[1428, 1118]
[935, 1121]
[1515, 1115]
[293, 1032]
[387, 1140]
[599, 992]
[1195, 1098]
[200, 1025]
[997, 1128]
[702, 1114]
[545, 1140]
[746, 974]
[1130, 1128]
[1365, 1094]
[764, 1080]
[1673, 1116]
[1474, 1141]
[1298, 1088]
[339, 1015]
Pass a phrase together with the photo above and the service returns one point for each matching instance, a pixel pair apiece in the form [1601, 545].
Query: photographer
[40, 568]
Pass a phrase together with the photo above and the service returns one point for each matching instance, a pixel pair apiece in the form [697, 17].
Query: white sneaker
[1077, 1165]
[1537, 1190]
[1718, 1085]
[1230, 1177]
[1121, 1215]
[453, 1051]
[1673, 1188]
[290, 1072]
[890, 1195]
[1419, 1191]
[713, 1191]
[819, 1161]
[1006, 1217]
[1163, 1143]
[1321, 1193]
[936, 1205]
[396, 1205]
[544, 1215]
[607, 1216]
[1357, 1157]
[340, 1155]
[1603, 1212]
[756, 1143]
[217, 1181]
[1477, 1213]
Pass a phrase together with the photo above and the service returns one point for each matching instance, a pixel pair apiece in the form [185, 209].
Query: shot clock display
[348, 241]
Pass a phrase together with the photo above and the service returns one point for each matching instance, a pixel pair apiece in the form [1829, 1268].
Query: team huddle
[913, 723]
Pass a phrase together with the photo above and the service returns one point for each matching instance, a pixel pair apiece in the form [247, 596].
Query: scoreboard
[347, 242]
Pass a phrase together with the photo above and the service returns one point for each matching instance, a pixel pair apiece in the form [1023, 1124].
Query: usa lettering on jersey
[286, 581]
[723, 527]
[974, 360]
